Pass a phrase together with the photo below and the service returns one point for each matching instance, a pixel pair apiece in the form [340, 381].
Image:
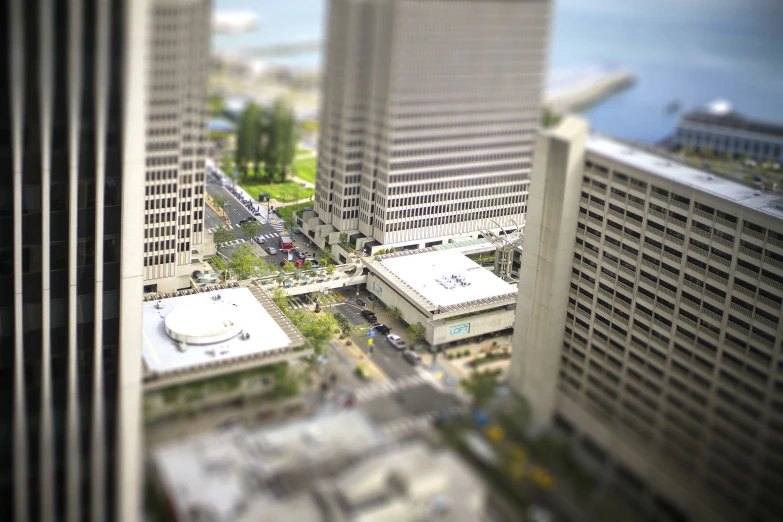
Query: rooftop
[310, 470]
[723, 116]
[446, 277]
[204, 328]
[768, 203]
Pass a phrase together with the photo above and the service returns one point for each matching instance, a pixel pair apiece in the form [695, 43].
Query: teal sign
[377, 288]
[460, 329]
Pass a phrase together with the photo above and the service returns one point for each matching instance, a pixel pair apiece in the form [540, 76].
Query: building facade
[176, 142]
[730, 133]
[428, 117]
[72, 105]
[649, 325]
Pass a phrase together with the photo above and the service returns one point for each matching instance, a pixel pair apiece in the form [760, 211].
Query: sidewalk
[360, 357]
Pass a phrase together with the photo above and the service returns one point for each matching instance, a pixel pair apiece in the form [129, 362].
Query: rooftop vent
[159, 305]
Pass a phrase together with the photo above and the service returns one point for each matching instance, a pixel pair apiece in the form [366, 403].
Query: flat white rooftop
[687, 176]
[447, 277]
[200, 317]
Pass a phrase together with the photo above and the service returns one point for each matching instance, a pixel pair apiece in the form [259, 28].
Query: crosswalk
[405, 425]
[375, 390]
[277, 225]
[231, 243]
[297, 302]
[270, 235]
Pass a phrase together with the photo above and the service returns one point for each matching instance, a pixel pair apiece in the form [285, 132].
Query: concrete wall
[550, 232]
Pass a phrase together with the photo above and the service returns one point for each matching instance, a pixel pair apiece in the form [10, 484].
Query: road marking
[152, 349]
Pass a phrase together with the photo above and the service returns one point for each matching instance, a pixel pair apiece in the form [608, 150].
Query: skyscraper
[176, 141]
[428, 115]
[72, 105]
[649, 325]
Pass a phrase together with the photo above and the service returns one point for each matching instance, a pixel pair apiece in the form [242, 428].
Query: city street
[236, 212]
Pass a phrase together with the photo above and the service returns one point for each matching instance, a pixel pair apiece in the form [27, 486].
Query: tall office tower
[72, 149]
[428, 116]
[176, 141]
[649, 325]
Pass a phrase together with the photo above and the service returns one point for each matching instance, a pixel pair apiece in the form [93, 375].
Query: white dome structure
[201, 323]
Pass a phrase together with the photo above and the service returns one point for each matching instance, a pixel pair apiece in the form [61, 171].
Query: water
[692, 51]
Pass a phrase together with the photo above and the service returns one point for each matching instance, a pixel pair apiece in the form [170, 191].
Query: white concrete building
[72, 121]
[311, 470]
[649, 324]
[440, 287]
[719, 129]
[428, 115]
[176, 143]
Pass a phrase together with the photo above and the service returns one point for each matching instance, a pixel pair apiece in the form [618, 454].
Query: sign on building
[460, 329]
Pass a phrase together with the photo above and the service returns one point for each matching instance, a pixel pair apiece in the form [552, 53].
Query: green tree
[223, 236]
[279, 139]
[343, 323]
[289, 267]
[280, 299]
[395, 313]
[308, 265]
[343, 237]
[252, 228]
[323, 261]
[481, 386]
[417, 331]
[330, 269]
[219, 202]
[549, 118]
[242, 262]
[217, 104]
[248, 138]
[289, 223]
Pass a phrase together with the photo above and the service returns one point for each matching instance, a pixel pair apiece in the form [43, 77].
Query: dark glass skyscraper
[72, 151]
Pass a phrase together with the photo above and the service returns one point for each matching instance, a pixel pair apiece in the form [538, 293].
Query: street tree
[308, 265]
[248, 138]
[481, 386]
[289, 223]
[219, 202]
[279, 138]
[395, 313]
[317, 329]
[324, 261]
[223, 236]
[243, 262]
[251, 228]
[330, 269]
[416, 331]
[289, 267]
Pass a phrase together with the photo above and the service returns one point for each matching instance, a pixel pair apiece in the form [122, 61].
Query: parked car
[371, 318]
[298, 263]
[271, 251]
[381, 328]
[260, 240]
[412, 358]
[360, 302]
[371, 297]
[300, 255]
[313, 260]
[396, 341]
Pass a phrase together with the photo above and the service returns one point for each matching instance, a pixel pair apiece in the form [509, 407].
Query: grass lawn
[287, 212]
[305, 169]
[288, 191]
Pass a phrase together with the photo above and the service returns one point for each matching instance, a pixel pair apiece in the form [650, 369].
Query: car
[246, 220]
[360, 302]
[298, 263]
[412, 358]
[371, 297]
[271, 250]
[396, 341]
[382, 328]
[313, 260]
[300, 255]
[370, 317]
[363, 372]
[260, 240]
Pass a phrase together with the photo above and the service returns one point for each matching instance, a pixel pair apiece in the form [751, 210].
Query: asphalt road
[236, 212]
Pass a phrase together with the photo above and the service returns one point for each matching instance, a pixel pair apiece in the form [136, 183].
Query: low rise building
[721, 130]
[339, 467]
[440, 287]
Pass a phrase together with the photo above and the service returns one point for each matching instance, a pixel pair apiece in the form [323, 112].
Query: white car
[271, 250]
[260, 240]
[396, 341]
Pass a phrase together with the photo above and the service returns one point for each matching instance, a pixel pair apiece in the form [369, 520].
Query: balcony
[669, 255]
[645, 298]
[676, 222]
[766, 322]
[668, 273]
[698, 250]
[700, 232]
[666, 291]
[627, 270]
[723, 241]
[774, 242]
[659, 197]
[742, 270]
[773, 262]
[659, 215]
[771, 282]
[595, 221]
[616, 214]
[597, 205]
[699, 212]
[753, 233]
[744, 291]
[716, 277]
[726, 223]
[717, 318]
[635, 205]
[695, 268]
[763, 341]
[679, 204]
[653, 249]
[677, 241]
[749, 252]
[720, 260]
[692, 285]
[706, 332]
[650, 264]
[741, 309]
[651, 231]
[687, 321]
[769, 302]
[716, 297]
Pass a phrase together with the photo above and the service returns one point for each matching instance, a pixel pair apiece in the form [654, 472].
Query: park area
[283, 192]
[304, 168]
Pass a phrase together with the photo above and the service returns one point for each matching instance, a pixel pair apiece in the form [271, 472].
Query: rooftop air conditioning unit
[159, 305]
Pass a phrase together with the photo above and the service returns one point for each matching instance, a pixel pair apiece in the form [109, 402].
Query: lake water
[692, 51]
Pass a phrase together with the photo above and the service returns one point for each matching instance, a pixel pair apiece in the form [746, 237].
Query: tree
[330, 269]
[395, 313]
[281, 300]
[289, 267]
[324, 261]
[217, 104]
[289, 223]
[243, 262]
[223, 236]
[343, 237]
[252, 228]
[549, 118]
[417, 331]
[308, 265]
[279, 136]
[343, 323]
[219, 202]
[248, 138]
[481, 386]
